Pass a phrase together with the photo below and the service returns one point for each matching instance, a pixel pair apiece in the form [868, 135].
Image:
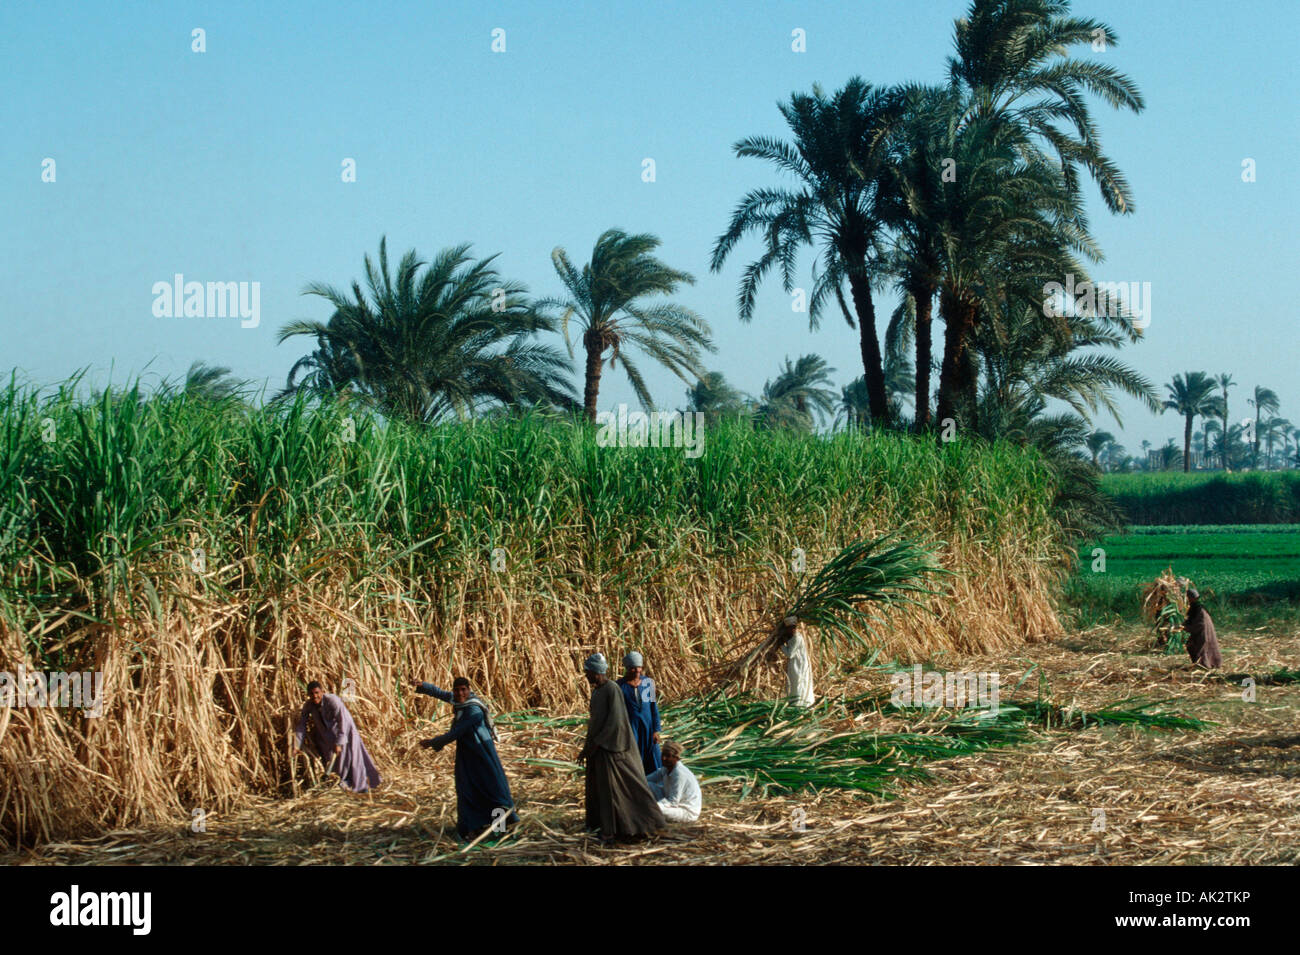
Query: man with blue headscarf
[483, 797]
[642, 701]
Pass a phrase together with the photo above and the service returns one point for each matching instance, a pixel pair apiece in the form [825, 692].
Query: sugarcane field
[757, 446]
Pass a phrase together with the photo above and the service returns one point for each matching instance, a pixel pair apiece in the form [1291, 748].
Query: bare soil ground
[1229, 795]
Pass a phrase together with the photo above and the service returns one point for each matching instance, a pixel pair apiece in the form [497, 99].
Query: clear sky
[226, 165]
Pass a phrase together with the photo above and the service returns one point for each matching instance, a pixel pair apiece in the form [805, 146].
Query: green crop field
[1172, 497]
[1244, 570]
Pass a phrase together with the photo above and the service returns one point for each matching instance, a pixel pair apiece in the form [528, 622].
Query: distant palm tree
[798, 392]
[855, 409]
[1190, 395]
[211, 382]
[1146, 454]
[1270, 429]
[840, 161]
[716, 398]
[1225, 382]
[607, 297]
[1265, 401]
[1097, 442]
[429, 345]
[1169, 456]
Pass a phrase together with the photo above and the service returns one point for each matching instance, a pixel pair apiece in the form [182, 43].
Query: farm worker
[642, 709]
[676, 787]
[619, 802]
[1202, 642]
[798, 669]
[327, 722]
[482, 793]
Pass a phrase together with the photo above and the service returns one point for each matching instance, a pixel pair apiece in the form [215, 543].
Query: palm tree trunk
[958, 326]
[873, 368]
[1254, 460]
[923, 296]
[591, 389]
[1187, 445]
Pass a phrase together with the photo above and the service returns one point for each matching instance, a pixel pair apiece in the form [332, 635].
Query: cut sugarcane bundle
[839, 599]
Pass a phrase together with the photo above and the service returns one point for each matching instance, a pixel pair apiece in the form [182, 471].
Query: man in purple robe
[328, 724]
[1202, 641]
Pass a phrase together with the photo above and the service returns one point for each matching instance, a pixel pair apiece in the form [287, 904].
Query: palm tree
[798, 391]
[210, 382]
[1146, 454]
[1225, 381]
[839, 158]
[607, 296]
[1190, 395]
[716, 398]
[1270, 429]
[1012, 59]
[1264, 401]
[855, 409]
[1098, 441]
[913, 208]
[426, 346]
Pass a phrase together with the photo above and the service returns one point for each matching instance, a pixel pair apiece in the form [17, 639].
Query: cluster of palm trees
[1261, 440]
[966, 194]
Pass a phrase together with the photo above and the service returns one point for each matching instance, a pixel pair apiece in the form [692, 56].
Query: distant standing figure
[641, 699]
[619, 802]
[329, 725]
[676, 787]
[798, 668]
[1202, 642]
[482, 792]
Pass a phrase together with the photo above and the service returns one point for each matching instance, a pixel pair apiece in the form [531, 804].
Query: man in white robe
[798, 668]
[675, 787]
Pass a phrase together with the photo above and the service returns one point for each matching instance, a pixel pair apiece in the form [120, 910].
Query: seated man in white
[675, 786]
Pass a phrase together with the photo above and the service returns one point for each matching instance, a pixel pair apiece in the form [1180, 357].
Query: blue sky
[225, 165]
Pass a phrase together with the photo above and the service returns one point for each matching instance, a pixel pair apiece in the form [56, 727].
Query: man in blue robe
[483, 795]
[642, 710]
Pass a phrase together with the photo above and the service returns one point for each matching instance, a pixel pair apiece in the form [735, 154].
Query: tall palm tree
[607, 297]
[425, 346]
[913, 208]
[1190, 395]
[839, 158]
[1264, 401]
[1012, 59]
[1225, 382]
[1146, 454]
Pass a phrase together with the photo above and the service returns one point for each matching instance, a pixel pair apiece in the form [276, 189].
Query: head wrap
[633, 659]
[791, 622]
[1193, 594]
[595, 664]
[669, 748]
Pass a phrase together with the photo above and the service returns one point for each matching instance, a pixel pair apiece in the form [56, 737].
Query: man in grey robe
[1202, 641]
[328, 724]
[620, 804]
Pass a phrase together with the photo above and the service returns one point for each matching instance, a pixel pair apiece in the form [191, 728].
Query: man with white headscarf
[620, 804]
[642, 701]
